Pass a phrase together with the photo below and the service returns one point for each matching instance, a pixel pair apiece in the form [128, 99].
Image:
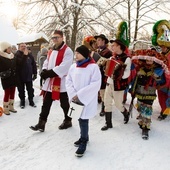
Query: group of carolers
[69, 82]
[151, 73]
[142, 72]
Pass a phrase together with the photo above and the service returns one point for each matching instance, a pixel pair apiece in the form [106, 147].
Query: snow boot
[6, 108]
[22, 104]
[31, 103]
[102, 112]
[108, 118]
[99, 98]
[81, 149]
[11, 106]
[126, 115]
[145, 133]
[40, 126]
[162, 116]
[78, 142]
[66, 124]
[139, 117]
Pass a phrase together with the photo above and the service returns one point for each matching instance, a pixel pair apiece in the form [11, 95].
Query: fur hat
[83, 50]
[103, 37]
[4, 45]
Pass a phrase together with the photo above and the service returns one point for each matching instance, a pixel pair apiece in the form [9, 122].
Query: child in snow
[83, 83]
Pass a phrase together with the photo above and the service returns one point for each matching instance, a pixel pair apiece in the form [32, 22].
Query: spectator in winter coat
[14, 49]
[84, 77]
[26, 73]
[8, 76]
[41, 59]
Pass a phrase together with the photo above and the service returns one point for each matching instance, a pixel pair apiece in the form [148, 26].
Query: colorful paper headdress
[161, 33]
[87, 42]
[152, 55]
[122, 33]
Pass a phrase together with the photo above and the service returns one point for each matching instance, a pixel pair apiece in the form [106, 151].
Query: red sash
[57, 80]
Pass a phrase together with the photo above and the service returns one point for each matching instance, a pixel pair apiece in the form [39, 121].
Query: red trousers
[9, 93]
[162, 97]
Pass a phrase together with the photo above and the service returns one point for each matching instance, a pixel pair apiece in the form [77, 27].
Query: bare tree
[87, 17]
[74, 17]
[139, 14]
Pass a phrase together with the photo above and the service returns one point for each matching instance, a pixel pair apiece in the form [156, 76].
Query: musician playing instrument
[117, 83]
[103, 51]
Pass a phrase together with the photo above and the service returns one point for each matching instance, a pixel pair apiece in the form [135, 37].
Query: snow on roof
[33, 37]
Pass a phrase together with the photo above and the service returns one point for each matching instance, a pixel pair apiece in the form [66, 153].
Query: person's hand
[48, 74]
[34, 77]
[75, 98]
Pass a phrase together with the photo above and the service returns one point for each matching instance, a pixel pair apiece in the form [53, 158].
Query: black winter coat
[106, 53]
[26, 67]
[6, 64]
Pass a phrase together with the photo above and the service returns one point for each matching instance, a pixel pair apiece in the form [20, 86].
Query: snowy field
[119, 148]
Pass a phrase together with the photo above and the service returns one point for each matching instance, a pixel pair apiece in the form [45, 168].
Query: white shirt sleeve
[127, 69]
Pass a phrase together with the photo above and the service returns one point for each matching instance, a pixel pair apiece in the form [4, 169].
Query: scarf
[85, 62]
[57, 80]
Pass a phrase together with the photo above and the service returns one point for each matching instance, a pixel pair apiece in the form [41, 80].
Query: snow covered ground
[119, 148]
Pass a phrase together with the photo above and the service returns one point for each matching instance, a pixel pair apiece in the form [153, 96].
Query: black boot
[162, 116]
[145, 133]
[102, 113]
[66, 124]
[108, 118]
[126, 116]
[40, 126]
[81, 148]
[99, 98]
[31, 103]
[22, 104]
[78, 142]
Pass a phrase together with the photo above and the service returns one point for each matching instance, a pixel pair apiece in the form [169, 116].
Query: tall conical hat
[122, 33]
[161, 33]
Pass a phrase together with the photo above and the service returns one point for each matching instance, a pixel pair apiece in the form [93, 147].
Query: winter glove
[48, 74]
[34, 77]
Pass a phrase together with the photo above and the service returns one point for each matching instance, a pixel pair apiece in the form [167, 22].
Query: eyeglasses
[55, 38]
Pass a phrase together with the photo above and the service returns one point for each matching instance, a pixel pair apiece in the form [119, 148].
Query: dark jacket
[26, 66]
[106, 53]
[8, 64]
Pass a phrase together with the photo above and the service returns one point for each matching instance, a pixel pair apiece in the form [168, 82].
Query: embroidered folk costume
[152, 68]
[161, 37]
[117, 82]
